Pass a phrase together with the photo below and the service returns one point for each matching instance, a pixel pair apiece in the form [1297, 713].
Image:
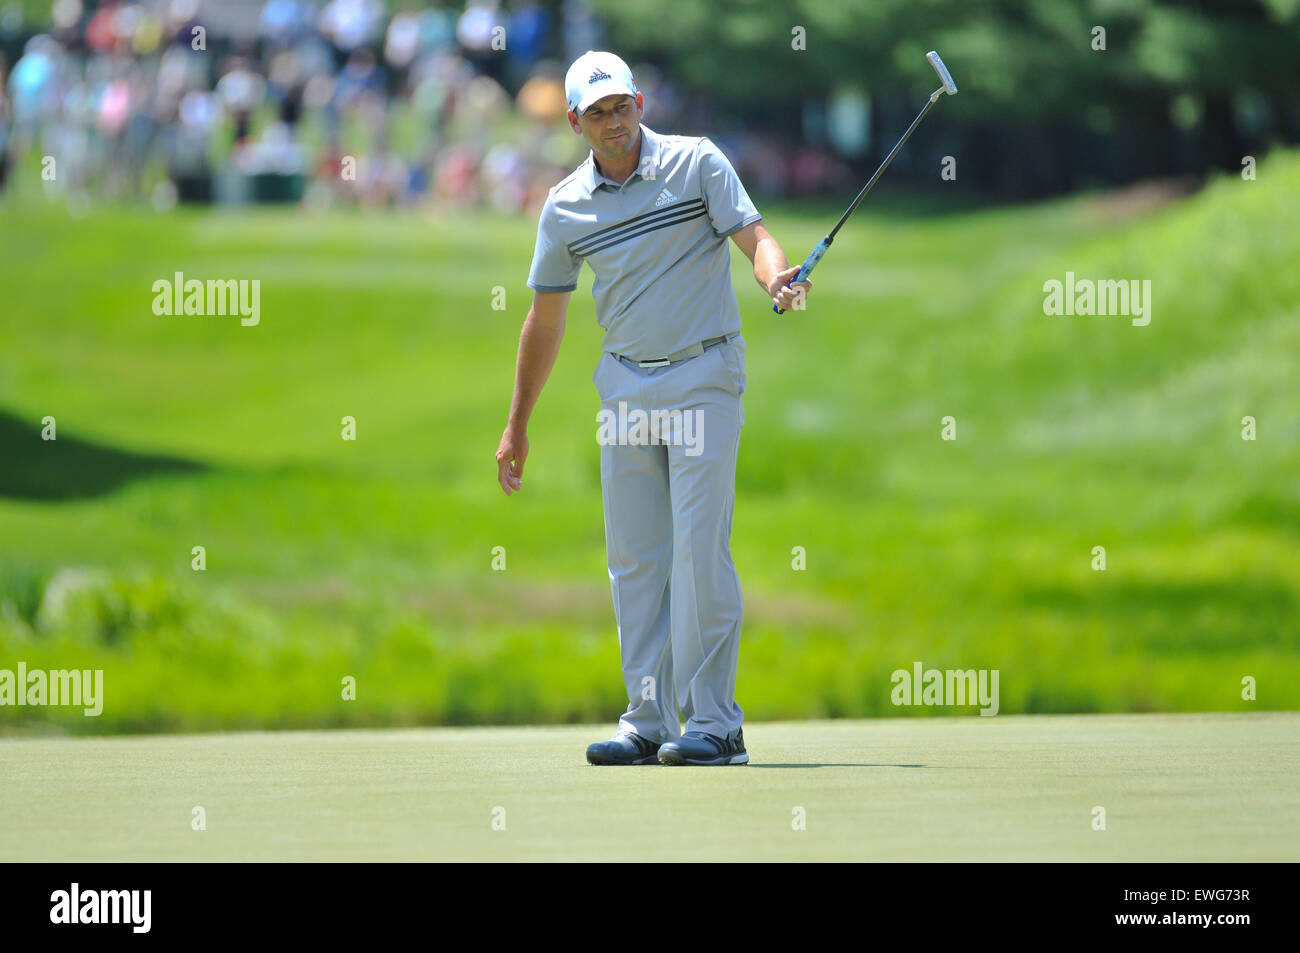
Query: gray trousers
[668, 507]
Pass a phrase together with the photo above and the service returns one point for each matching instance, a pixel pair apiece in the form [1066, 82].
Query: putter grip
[806, 268]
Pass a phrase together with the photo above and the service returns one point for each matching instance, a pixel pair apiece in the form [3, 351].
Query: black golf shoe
[697, 747]
[625, 747]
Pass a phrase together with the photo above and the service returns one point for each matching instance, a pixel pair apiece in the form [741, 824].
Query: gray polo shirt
[657, 244]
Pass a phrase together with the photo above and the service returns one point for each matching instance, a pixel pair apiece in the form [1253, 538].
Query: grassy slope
[1175, 787]
[371, 558]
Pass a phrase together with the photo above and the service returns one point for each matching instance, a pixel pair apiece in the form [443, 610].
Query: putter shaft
[948, 87]
[884, 165]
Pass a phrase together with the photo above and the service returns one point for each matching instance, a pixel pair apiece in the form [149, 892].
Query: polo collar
[647, 167]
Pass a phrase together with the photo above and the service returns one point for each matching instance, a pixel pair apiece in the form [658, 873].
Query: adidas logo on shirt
[664, 198]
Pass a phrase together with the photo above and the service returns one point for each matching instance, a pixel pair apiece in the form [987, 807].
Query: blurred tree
[1181, 87]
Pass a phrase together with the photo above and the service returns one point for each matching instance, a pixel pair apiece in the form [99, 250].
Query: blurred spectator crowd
[323, 101]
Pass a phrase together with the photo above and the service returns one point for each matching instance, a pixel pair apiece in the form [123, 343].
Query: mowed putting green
[1174, 787]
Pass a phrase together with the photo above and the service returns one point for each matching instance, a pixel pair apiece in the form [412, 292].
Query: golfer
[651, 215]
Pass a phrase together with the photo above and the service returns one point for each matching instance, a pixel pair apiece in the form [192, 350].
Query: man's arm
[539, 343]
[771, 269]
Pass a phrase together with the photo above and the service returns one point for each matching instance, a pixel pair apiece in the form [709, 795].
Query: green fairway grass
[1174, 787]
[373, 558]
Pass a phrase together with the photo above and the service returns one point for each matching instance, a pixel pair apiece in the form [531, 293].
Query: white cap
[595, 75]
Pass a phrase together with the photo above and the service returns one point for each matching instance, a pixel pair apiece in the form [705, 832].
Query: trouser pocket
[733, 358]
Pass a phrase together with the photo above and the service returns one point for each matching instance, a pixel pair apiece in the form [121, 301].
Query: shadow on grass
[69, 468]
[836, 765]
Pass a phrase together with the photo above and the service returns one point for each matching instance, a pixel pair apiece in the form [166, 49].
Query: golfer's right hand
[789, 297]
[510, 460]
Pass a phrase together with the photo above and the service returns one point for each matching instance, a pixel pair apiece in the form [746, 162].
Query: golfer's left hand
[792, 298]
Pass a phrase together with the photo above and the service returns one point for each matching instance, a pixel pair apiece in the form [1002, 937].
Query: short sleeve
[729, 205]
[554, 268]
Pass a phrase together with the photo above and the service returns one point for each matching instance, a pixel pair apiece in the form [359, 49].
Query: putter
[948, 87]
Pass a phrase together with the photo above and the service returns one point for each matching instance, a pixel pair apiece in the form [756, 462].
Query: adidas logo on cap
[593, 76]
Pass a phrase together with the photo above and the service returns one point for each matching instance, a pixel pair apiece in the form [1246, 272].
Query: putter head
[945, 77]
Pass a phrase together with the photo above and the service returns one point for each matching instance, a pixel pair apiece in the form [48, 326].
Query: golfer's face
[611, 126]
